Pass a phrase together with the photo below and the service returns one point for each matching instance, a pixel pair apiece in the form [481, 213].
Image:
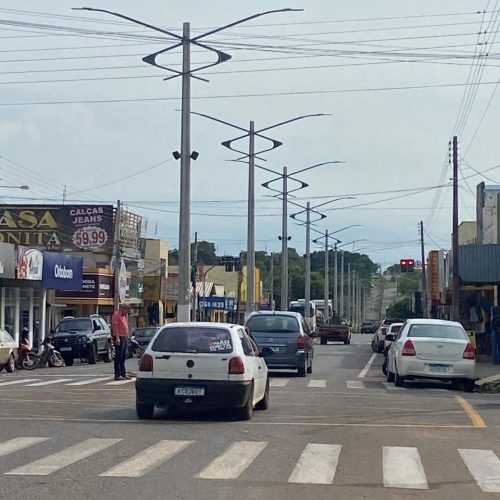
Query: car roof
[425, 321]
[201, 324]
[276, 313]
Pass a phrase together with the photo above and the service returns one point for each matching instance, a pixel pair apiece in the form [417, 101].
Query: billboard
[58, 227]
[29, 264]
[62, 271]
[8, 261]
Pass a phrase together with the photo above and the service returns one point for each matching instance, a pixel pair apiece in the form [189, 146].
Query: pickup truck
[334, 331]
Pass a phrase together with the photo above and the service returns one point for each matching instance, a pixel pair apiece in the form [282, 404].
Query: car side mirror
[266, 351]
[390, 337]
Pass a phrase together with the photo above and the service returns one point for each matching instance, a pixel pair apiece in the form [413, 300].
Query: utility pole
[195, 272]
[455, 292]
[349, 292]
[249, 308]
[307, 294]
[116, 254]
[327, 280]
[284, 243]
[424, 272]
[335, 279]
[271, 294]
[342, 304]
[353, 298]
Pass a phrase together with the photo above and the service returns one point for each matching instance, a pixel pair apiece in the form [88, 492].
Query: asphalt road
[342, 432]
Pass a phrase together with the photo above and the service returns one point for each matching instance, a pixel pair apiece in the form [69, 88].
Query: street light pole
[284, 243]
[307, 295]
[327, 280]
[342, 310]
[250, 304]
[335, 279]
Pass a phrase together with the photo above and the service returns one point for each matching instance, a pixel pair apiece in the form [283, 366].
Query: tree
[400, 309]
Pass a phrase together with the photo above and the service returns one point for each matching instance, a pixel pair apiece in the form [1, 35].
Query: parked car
[86, 337]
[144, 335]
[202, 366]
[287, 338]
[432, 349]
[368, 326]
[8, 352]
[392, 332]
[378, 338]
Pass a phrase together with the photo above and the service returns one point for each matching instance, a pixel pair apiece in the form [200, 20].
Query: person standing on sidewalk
[119, 328]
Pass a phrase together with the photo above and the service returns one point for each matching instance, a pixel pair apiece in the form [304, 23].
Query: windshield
[438, 332]
[145, 332]
[74, 325]
[194, 340]
[273, 323]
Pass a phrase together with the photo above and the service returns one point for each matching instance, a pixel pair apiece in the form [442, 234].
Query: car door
[397, 346]
[255, 363]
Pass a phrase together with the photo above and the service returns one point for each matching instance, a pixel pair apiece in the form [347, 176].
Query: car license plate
[439, 368]
[65, 349]
[274, 348]
[189, 391]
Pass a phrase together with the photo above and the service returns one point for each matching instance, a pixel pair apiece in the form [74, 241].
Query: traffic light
[407, 265]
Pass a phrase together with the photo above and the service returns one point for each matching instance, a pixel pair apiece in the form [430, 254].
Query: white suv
[202, 366]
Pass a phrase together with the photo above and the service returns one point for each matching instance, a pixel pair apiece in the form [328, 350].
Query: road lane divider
[475, 418]
[317, 464]
[364, 371]
[402, 468]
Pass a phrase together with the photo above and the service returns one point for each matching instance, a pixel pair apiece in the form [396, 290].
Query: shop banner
[216, 302]
[58, 227]
[29, 264]
[8, 261]
[62, 271]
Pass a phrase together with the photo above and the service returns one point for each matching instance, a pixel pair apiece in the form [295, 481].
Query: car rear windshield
[395, 328]
[194, 340]
[437, 332]
[145, 332]
[273, 323]
[75, 325]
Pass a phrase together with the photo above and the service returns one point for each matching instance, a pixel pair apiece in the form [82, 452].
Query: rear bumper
[218, 394]
[286, 362]
[421, 369]
[336, 336]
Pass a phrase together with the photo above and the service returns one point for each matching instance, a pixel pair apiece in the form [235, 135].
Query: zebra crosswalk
[312, 464]
[56, 383]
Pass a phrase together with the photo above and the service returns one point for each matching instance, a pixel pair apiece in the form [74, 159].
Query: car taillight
[383, 330]
[301, 343]
[408, 349]
[469, 352]
[146, 363]
[236, 366]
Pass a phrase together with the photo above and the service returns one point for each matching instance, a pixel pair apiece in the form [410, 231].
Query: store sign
[8, 261]
[62, 271]
[58, 227]
[216, 302]
[29, 263]
[94, 286]
[122, 282]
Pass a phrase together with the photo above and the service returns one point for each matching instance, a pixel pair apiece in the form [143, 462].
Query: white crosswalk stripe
[147, 459]
[317, 383]
[403, 468]
[20, 381]
[50, 382]
[355, 384]
[121, 382]
[279, 382]
[19, 443]
[392, 387]
[484, 466]
[71, 455]
[91, 381]
[234, 461]
[317, 464]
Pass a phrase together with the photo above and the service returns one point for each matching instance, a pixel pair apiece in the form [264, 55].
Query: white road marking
[71, 455]
[21, 381]
[317, 383]
[121, 382]
[484, 466]
[234, 461]
[147, 459]
[279, 382]
[317, 464]
[19, 443]
[364, 371]
[90, 381]
[403, 468]
[355, 384]
[50, 382]
[392, 387]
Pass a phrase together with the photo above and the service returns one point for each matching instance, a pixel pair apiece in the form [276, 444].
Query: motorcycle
[134, 349]
[30, 359]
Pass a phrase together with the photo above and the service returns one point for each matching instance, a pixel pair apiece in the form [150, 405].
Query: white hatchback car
[431, 348]
[392, 333]
[202, 366]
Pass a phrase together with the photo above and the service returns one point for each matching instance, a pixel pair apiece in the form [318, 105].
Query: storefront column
[2, 308]
[17, 313]
[30, 315]
[43, 317]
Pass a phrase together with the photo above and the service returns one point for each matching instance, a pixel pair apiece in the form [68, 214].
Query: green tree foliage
[409, 283]
[400, 309]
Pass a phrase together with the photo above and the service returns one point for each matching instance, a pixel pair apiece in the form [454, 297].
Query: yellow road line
[476, 419]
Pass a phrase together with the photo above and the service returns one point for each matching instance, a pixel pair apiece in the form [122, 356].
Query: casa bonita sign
[58, 227]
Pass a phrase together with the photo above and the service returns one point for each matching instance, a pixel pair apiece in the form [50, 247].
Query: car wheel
[380, 348]
[390, 376]
[144, 410]
[302, 371]
[469, 385]
[384, 366]
[263, 404]
[11, 364]
[373, 345]
[108, 355]
[323, 340]
[92, 354]
[398, 380]
[347, 341]
[245, 413]
[68, 361]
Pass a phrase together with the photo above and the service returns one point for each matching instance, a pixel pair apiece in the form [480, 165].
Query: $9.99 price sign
[90, 237]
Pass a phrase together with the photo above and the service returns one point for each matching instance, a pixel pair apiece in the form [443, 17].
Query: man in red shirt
[119, 329]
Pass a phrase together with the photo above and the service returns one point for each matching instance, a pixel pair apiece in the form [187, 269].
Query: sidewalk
[484, 367]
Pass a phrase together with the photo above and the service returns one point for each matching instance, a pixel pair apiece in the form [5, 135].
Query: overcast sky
[79, 108]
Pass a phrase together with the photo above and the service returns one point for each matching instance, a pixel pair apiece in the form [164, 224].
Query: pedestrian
[119, 328]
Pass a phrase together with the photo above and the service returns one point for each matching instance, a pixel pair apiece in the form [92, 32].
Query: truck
[299, 306]
[334, 330]
[320, 306]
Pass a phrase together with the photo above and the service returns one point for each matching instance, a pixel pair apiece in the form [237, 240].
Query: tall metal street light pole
[185, 41]
[283, 195]
[252, 133]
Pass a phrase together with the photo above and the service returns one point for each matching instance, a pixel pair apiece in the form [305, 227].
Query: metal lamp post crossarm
[185, 41]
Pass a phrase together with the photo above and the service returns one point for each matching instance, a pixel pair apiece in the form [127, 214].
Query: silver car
[432, 349]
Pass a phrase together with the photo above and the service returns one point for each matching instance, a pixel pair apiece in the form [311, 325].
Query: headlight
[83, 339]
